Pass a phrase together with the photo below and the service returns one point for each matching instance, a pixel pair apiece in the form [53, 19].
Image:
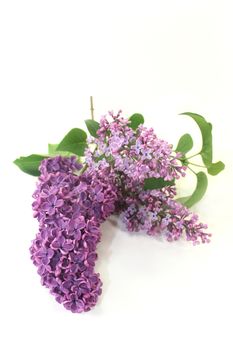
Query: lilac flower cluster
[71, 202]
[156, 212]
[136, 154]
[70, 209]
[133, 157]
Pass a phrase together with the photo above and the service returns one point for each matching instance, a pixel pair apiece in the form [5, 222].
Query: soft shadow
[104, 250]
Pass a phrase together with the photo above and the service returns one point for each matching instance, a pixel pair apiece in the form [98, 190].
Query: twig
[92, 108]
[201, 166]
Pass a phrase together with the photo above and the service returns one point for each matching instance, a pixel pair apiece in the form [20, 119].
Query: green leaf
[135, 120]
[206, 132]
[154, 183]
[30, 165]
[185, 144]
[52, 148]
[216, 168]
[74, 142]
[200, 190]
[92, 127]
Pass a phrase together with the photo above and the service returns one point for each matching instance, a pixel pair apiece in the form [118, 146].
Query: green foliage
[200, 190]
[206, 132]
[135, 120]
[216, 168]
[74, 142]
[185, 144]
[30, 165]
[52, 148]
[92, 127]
[154, 183]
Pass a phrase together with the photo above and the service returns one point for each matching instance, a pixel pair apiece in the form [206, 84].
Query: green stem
[192, 170]
[193, 155]
[92, 107]
[83, 169]
[201, 166]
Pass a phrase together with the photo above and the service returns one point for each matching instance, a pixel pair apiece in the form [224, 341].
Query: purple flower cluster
[71, 202]
[70, 209]
[156, 212]
[134, 156]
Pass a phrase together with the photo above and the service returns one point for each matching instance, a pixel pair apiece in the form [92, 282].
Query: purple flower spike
[64, 250]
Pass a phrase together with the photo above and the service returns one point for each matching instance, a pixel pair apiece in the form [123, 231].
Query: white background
[158, 58]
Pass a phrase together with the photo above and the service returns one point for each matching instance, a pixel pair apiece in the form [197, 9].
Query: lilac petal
[73, 257]
[50, 252]
[81, 281]
[98, 188]
[41, 270]
[87, 203]
[74, 268]
[77, 235]
[55, 244]
[58, 242]
[80, 307]
[80, 256]
[41, 253]
[59, 203]
[45, 206]
[83, 196]
[92, 258]
[80, 223]
[52, 199]
[45, 193]
[66, 285]
[45, 260]
[100, 197]
[68, 245]
[51, 211]
[68, 304]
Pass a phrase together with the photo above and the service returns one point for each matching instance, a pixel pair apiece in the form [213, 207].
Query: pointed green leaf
[185, 144]
[74, 142]
[206, 132]
[30, 165]
[216, 168]
[154, 183]
[135, 120]
[52, 148]
[200, 190]
[92, 127]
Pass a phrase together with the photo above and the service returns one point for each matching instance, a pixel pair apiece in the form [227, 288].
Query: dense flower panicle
[158, 214]
[138, 155]
[71, 203]
[134, 156]
[70, 209]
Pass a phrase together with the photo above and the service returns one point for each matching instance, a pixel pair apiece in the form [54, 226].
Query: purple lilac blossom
[158, 213]
[70, 209]
[141, 155]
